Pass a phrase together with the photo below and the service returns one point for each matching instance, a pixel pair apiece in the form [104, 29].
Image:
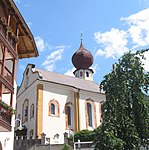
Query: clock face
[26, 83]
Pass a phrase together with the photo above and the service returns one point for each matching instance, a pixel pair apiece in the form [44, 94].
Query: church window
[76, 74]
[25, 110]
[68, 112]
[54, 108]
[87, 74]
[69, 115]
[18, 122]
[32, 111]
[89, 113]
[81, 74]
[31, 133]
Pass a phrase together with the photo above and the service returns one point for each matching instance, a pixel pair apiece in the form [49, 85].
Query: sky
[109, 29]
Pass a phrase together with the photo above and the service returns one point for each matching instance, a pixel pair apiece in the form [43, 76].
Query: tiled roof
[68, 80]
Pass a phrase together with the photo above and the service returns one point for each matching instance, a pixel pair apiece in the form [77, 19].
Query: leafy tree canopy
[126, 110]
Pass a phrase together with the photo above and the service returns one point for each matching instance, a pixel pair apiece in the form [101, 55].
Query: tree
[125, 113]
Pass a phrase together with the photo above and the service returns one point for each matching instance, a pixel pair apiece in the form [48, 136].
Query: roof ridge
[53, 72]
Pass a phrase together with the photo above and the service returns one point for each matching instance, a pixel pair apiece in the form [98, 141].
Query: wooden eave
[26, 46]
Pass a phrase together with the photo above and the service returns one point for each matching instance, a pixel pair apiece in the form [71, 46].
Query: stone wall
[32, 144]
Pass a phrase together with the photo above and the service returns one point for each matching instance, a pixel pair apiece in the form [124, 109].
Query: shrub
[84, 135]
[66, 147]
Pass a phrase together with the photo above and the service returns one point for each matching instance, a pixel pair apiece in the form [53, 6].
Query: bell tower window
[87, 74]
[81, 74]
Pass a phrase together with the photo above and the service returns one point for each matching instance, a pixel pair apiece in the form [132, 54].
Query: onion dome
[82, 58]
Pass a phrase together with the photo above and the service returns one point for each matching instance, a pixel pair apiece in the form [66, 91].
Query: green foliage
[84, 135]
[7, 107]
[107, 140]
[66, 147]
[125, 112]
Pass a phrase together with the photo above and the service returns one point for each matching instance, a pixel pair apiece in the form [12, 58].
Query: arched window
[89, 113]
[87, 74]
[81, 74]
[18, 122]
[68, 112]
[54, 108]
[31, 133]
[25, 111]
[32, 111]
[69, 115]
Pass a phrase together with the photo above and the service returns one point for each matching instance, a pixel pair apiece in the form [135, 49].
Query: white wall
[29, 94]
[97, 98]
[53, 125]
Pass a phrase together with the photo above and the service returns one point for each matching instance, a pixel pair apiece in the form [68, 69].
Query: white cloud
[41, 45]
[50, 67]
[56, 55]
[100, 52]
[146, 62]
[139, 27]
[53, 57]
[70, 72]
[114, 42]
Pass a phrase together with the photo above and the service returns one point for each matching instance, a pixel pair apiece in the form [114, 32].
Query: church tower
[82, 59]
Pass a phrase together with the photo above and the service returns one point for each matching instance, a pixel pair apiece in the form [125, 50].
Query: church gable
[29, 76]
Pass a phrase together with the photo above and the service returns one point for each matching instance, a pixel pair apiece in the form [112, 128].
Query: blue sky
[110, 28]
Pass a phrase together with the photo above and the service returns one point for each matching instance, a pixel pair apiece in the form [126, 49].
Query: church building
[54, 104]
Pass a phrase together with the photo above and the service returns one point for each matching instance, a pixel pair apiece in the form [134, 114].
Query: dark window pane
[89, 112]
[52, 109]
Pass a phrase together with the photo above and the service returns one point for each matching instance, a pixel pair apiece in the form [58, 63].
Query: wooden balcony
[9, 43]
[5, 119]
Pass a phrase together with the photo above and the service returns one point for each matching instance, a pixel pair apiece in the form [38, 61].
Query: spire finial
[81, 36]
[81, 45]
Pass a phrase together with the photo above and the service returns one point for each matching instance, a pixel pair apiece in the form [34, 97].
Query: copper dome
[82, 58]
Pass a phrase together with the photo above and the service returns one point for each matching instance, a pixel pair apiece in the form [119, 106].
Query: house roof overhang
[26, 46]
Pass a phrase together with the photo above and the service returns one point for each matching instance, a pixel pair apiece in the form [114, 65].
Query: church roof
[68, 80]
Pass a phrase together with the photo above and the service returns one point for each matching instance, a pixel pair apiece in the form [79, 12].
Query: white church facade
[53, 104]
